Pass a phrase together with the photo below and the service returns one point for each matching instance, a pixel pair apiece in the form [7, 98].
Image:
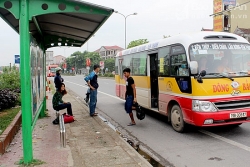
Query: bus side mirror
[194, 67]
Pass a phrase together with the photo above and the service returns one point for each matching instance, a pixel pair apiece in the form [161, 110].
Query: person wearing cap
[91, 79]
[58, 80]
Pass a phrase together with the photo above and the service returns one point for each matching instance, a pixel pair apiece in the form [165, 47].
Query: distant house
[58, 59]
[49, 58]
[243, 32]
[107, 52]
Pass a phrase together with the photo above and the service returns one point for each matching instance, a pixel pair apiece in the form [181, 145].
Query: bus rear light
[208, 121]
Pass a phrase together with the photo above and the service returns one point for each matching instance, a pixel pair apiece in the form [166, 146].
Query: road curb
[129, 149]
[9, 133]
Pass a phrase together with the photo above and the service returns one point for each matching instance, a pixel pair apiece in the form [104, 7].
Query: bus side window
[179, 66]
[163, 61]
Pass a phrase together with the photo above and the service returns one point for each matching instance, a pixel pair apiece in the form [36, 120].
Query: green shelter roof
[58, 22]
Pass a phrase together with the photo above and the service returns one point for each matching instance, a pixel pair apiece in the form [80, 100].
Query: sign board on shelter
[17, 59]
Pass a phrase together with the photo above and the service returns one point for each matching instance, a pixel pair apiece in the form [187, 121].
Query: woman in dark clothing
[58, 79]
[58, 103]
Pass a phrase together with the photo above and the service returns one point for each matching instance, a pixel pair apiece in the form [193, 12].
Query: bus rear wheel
[177, 121]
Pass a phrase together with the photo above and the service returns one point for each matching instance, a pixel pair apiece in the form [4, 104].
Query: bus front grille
[231, 105]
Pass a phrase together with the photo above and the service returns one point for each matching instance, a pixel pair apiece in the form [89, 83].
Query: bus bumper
[220, 118]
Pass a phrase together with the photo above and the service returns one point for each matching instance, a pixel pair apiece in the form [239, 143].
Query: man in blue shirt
[91, 79]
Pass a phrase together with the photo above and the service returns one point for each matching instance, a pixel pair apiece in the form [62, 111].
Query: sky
[154, 19]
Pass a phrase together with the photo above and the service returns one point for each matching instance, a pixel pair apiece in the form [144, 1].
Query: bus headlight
[203, 106]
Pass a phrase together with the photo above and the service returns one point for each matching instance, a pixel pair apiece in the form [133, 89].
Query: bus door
[122, 89]
[153, 72]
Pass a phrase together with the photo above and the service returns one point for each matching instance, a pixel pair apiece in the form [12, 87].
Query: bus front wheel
[177, 121]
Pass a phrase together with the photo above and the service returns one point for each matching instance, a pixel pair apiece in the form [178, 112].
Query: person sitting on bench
[58, 103]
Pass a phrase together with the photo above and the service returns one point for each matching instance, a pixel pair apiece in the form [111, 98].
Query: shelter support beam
[25, 81]
[37, 26]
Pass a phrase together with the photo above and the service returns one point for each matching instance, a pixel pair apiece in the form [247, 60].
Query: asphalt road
[216, 147]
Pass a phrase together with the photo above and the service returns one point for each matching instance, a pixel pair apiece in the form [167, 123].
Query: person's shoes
[131, 124]
[56, 121]
[93, 115]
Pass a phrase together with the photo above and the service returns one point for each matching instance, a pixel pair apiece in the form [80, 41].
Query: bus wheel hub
[175, 118]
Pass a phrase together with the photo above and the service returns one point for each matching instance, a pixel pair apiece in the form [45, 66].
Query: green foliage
[110, 64]
[78, 60]
[18, 100]
[9, 88]
[34, 162]
[10, 79]
[137, 43]
[6, 117]
[108, 75]
[7, 99]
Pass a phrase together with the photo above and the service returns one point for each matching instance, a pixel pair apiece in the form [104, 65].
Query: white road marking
[234, 143]
[98, 91]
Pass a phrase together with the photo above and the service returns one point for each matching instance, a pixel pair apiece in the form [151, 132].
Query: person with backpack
[58, 80]
[130, 95]
[91, 80]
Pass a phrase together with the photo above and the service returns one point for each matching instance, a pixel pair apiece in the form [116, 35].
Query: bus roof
[186, 40]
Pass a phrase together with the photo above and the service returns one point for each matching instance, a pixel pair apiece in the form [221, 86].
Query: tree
[110, 64]
[80, 60]
[94, 58]
[137, 43]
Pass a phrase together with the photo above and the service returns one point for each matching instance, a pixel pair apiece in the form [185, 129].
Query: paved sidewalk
[90, 142]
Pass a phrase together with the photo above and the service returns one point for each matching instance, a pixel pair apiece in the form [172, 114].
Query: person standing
[130, 95]
[58, 80]
[91, 79]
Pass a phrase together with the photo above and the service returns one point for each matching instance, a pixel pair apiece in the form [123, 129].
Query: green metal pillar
[25, 81]
[42, 113]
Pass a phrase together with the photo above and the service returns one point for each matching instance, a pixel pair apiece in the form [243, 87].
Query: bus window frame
[117, 65]
[170, 47]
[170, 60]
[146, 68]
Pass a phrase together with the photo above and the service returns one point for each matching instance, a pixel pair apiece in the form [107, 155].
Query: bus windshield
[221, 58]
[52, 69]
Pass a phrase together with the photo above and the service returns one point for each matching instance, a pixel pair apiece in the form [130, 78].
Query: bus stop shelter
[43, 24]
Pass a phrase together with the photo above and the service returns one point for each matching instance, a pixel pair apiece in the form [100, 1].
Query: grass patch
[34, 162]
[6, 117]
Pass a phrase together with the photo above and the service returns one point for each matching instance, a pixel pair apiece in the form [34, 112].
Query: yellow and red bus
[198, 78]
[52, 70]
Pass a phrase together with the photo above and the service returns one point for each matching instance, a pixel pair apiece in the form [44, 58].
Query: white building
[107, 52]
[49, 57]
[59, 59]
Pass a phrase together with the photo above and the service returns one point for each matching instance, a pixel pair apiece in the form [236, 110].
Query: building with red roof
[107, 52]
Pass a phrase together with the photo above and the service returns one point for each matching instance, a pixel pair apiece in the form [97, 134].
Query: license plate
[238, 115]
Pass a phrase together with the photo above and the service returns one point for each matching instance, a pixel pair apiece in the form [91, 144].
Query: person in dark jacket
[58, 103]
[58, 80]
[130, 95]
[91, 79]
